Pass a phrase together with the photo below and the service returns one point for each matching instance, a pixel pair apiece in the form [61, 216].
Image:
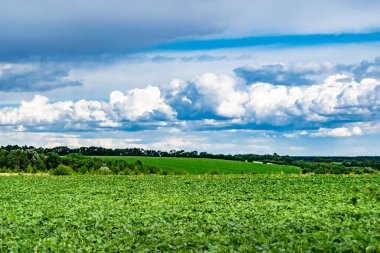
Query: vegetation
[29, 161]
[203, 211]
[232, 213]
[206, 166]
[32, 160]
[317, 165]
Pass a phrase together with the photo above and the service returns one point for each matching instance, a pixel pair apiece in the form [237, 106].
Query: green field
[244, 213]
[206, 166]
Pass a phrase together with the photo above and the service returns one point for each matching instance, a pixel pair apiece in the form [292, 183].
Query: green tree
[18, 160]
[52, 160]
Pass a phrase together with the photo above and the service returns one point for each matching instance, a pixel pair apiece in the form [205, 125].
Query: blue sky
[294, 77]
[298, 40]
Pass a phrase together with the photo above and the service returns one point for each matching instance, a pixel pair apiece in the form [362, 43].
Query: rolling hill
[207, 166]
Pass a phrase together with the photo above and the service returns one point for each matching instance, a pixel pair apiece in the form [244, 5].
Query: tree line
[79, 160]
[27, 160]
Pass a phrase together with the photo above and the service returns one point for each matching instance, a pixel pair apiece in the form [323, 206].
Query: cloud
[307, 73]
[207, 96]
[285, 74]
[344, 131]
[295, 134]
[40, 111]
[365, 69]
[92, 27]
[140, 104]
[337, 132]
[76, 140]
[219, 93]
[27, 77]
[137, 105]
[215, 102]
[339, 98]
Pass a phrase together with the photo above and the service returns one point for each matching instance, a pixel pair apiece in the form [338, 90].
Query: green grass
[231, 213]
[205, 166]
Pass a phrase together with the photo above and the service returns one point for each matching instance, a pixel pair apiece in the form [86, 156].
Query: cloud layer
[338, 106]
[92, 27]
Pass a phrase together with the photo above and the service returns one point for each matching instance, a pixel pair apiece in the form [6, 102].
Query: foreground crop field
[205, 166]
[183, 213]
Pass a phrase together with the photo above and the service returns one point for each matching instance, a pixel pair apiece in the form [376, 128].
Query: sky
[237, 76]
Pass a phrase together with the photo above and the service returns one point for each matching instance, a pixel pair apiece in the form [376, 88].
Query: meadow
[198, 166]
[220, 213]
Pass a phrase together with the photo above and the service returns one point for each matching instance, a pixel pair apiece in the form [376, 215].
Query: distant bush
[63, 170]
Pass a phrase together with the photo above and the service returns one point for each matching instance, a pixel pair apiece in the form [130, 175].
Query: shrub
[83, 170]
[29, 169]
[63, 170]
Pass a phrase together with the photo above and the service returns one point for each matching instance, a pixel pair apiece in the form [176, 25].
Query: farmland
[190, 213]
[207, 166]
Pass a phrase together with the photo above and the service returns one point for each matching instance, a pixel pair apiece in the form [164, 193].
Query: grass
[223, 213]
[198, 166]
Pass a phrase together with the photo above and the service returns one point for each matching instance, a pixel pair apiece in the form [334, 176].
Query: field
[206, 166]
[223, 213]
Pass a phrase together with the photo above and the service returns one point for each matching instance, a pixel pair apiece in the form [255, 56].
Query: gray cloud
[31, 77]
[307, 73]
[89, 27]
[366, 69]
[279, 74]
[93, 27]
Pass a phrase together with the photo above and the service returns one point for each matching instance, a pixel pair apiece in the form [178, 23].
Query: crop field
[206, 166]
[220, 213]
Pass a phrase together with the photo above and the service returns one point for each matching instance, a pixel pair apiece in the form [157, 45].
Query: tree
[18, 160]
[52, 160]
[3, 158]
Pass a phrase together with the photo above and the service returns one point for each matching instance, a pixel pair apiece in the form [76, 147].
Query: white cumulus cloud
[136, 105]
[221, 94]
[139, 104]
[337, 132]
[213, 101]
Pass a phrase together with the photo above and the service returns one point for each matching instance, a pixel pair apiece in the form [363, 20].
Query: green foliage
[52, 160]
[326, 168]
[40, 164]
[63, 170]
[18, 160]
[203, 165]
[31, 160]
[29, 169]
[234, 213]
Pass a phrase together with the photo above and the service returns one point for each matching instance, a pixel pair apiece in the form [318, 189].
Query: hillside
[205, 165]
